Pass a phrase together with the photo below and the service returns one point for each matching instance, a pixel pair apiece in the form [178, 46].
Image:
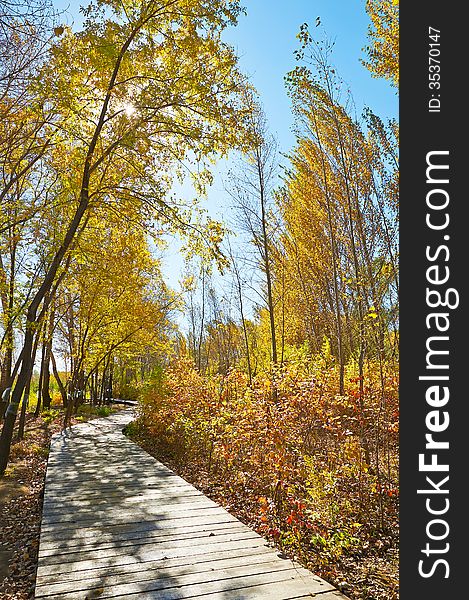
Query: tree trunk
[268, 275]
[37, 412]
[111, 378]
[333, 244]
[102, 387]
[7, 433]
[243, 320]
[202, 323]
[24, 405]
[5, 378]
[46, 397]
[63, 391]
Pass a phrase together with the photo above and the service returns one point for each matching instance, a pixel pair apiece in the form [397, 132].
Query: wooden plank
[272, 586]
[162, 578]
[159, 580]
[113, 525]
[87, 560]
[105, 517]
[99, 494]
[103, 478]
[164, 502]
[139, 545]
[102, 539]
[119, 524]
[202, 563]
[117, 529]
[124, 489]
[55, 503]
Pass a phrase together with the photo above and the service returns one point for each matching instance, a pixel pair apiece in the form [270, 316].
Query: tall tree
[252, 189]
[145, 86]
[333, 189]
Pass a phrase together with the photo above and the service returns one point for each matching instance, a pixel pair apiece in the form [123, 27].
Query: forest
[269, 379]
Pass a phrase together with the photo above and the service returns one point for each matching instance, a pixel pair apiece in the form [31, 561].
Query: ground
[21, 494]
[20, 509]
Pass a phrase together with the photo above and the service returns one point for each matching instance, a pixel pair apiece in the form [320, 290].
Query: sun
[129, 109]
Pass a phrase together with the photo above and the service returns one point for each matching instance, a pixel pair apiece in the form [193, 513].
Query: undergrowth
[312, 470]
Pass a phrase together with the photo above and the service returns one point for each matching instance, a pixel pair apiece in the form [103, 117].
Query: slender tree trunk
[243, 321]
[93, 389]
[111, 378]
[202, 324]
[102, 387]
[60, 385]
[360, 289]
[282, 352]
[24, 404]
[333, 243]
[37, 412]
[6, 378]
[7, 365]
[266, 251]
[46, 397]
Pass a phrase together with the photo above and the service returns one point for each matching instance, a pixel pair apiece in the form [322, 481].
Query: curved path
[118, 524]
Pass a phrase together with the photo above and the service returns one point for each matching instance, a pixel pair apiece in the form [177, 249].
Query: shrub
[312, 469]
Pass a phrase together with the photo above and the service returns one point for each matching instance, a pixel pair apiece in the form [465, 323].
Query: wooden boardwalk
[119, 524]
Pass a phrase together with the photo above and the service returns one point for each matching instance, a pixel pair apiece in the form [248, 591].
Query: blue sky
[265, 40]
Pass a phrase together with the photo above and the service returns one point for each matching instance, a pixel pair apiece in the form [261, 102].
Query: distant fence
[120, 401]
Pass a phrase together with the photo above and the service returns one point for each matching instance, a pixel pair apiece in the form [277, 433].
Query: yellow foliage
[383, 54]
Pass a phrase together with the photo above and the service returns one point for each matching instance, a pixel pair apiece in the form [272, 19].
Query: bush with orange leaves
[313, 470]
